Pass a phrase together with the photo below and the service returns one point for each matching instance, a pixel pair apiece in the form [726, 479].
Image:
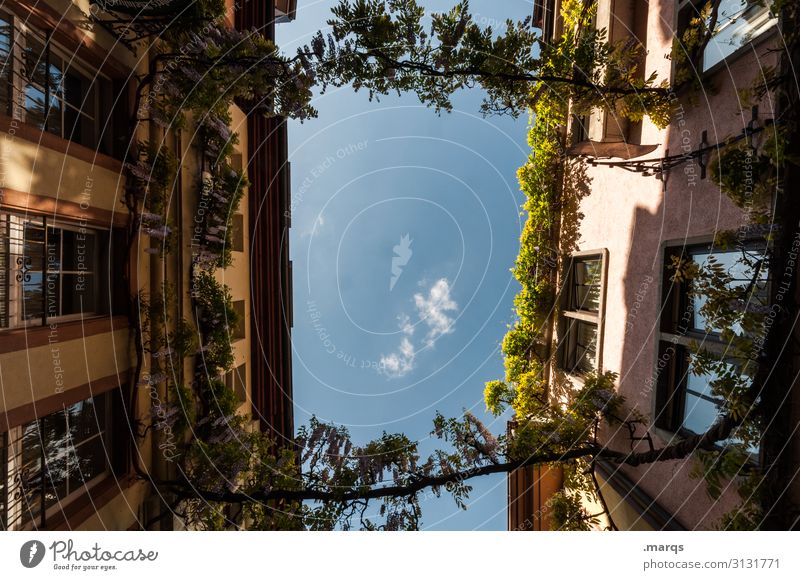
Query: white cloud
[433, 310]
[405, 324]
[400, 363]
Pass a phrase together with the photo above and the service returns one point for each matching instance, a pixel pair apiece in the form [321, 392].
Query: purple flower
[159, 232]
[140, 171]
[191, 74]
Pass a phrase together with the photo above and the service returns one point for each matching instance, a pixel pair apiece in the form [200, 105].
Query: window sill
[55, 143]
[86, 505]
[17, 339]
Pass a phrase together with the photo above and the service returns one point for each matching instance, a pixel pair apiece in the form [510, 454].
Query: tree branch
[720, 431]
[417, 484]
[430, 70]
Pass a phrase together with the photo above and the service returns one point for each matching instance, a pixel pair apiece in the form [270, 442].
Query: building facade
[77, 446]
[619, 309]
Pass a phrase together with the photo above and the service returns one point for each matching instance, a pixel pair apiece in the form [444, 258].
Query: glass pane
[54, 118]
[240, 382]
[586, 280]
[581, 343]
[89, 462]
[586, 347]
[84, 420]
[78, 294]
[738, 22]
[699, 414]
[33, 245]
[56, 456]
[741, 273]
[34, 59]
[6, 66]
[79, 99]
[78, 251]
[44, 85]
[27, 481]
[699, 384]
[33, 296]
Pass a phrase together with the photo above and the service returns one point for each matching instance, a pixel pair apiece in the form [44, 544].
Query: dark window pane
[78, 251]
[240, 382]
[52, 291]
[86, 419]
[90, 461]
[74, 94]
[237, 235]
[6, 66]
[239, 328]
[56, 447]
[78, 294]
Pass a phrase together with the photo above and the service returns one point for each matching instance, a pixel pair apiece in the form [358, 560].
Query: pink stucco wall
[633, 216]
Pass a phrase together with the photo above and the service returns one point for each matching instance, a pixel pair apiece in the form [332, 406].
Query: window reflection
[738, 23]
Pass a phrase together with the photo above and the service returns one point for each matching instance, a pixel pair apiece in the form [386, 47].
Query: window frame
[98, 85]
[15, 283]
[15, 515]
[674, 336]
[570, 317]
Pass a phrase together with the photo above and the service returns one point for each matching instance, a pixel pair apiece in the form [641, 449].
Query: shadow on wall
[690, 209]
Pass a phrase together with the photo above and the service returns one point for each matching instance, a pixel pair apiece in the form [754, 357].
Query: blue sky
[404, 227]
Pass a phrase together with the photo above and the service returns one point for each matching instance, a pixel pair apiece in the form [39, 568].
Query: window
[6, 63]
[50, 270]
[237, 235]
[236, 380]
[581, 318]
[739, 22]
[52, 460]
[56, 93]
[239, 330]
[685, 401]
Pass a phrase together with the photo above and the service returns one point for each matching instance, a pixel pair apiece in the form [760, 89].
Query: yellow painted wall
[36, 373]
[31, 168]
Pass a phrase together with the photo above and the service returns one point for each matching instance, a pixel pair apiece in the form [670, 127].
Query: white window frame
[568, 316]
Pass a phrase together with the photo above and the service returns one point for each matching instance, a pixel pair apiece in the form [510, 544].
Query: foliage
[748, 174]
[208, 68]
[688, 47]
[322, 480]
[168, 342]
[383, 47]
[735, 309]
[216, 319]
[569, 505]
[568, 513]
